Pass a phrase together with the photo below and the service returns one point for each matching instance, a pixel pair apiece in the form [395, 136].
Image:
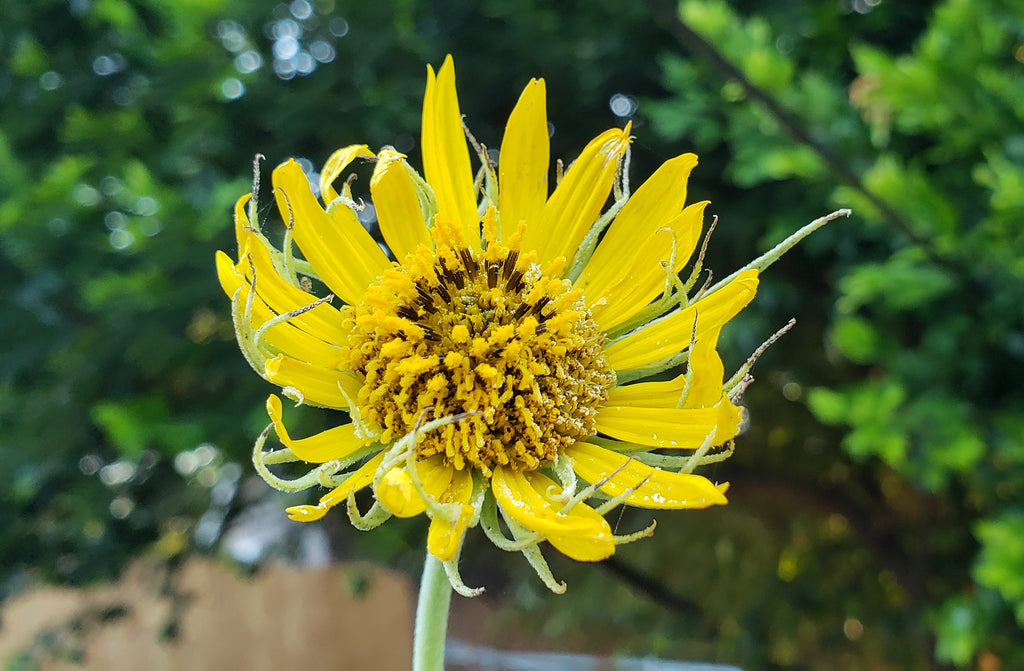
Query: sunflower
[491, 360]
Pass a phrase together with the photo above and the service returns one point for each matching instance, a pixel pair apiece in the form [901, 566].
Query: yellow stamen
[460, 330]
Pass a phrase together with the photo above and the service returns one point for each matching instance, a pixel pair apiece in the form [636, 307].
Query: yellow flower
[494, 367]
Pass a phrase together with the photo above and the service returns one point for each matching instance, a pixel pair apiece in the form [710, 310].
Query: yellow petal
[648, 394]
[398, 494]
[340, 250]
[660, 489]
[580, 533]
[637, 283]
[578, 200]
[400, 211]
[231, 279]
[241, 220]
[323, 321]
[658, 200]
[523, 161]
[315, 384]
[357, 480]
[334, 165]
[671, 334]
[444, 537]
[336, 443]
[305, 513]
[446, 154]
[708, 372]
[706, 381]
[680, 428]
[285, 337]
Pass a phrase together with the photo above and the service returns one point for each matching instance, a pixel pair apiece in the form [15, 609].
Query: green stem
[431, 617]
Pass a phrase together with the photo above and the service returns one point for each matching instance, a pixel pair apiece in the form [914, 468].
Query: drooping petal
[705, 387]
[581, 533]
[337, 246]
[643, 279]
[444, 537]
[659, 489]
[242, 225]
[397, 492]
[334, 166]
[680, 428]
[672, 333]
[445, 153]
[658, 200]
[358, 479]
[336, 443]
[314, 384]
[523, 161]
[401, 214]
[323, 321]
[708, 372]
[578, 200]
[285, 337]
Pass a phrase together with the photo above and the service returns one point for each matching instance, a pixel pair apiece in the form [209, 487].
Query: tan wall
[345, 617]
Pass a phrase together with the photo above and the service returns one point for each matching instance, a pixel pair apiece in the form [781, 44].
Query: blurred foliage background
[877, 508]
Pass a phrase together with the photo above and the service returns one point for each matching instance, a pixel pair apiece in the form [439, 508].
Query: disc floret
[456, 330]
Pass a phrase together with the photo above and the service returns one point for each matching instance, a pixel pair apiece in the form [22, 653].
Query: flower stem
[431, 617]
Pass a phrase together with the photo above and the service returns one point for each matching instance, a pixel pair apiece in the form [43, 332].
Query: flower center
[457, 331]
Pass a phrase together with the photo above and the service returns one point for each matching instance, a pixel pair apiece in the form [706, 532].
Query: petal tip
[306, 513]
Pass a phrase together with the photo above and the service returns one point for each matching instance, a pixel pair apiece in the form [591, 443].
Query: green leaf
[856, 338]
[1000, 563]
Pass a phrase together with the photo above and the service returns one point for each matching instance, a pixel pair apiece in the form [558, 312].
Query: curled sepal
[355, 481]
[373, 518]
[652, 487]
[260, 459]
[646, 532]
[534, 555]
[451, 569]
[489, 523]
[579, 533]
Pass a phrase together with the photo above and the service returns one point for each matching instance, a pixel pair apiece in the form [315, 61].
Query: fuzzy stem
[431, 617]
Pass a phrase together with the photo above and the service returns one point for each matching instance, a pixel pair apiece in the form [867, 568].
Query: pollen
[454, 330]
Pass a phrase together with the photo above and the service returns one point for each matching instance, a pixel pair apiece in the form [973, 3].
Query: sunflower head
[492, 360]
[454, 330]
